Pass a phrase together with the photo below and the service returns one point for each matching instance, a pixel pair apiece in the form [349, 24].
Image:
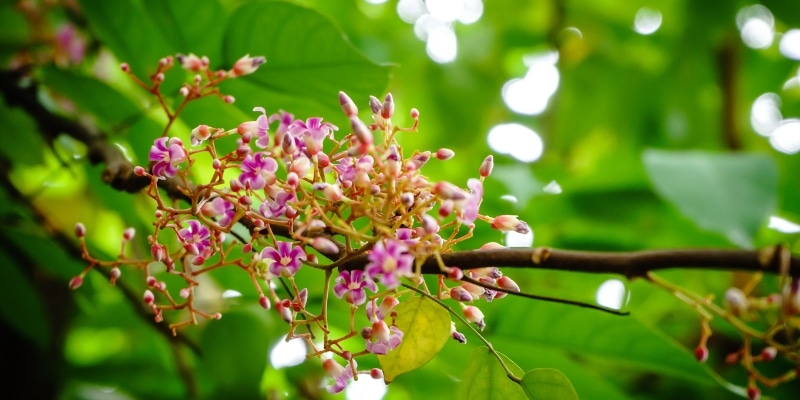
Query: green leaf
[548, 383]
[235, 352]
[141, 32]
[611, 337]
[485, 378]
[21, 305]
[731, 194]
[308, 61]
[426, 327]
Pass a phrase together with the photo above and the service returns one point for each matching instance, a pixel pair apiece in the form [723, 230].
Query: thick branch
[629, 264]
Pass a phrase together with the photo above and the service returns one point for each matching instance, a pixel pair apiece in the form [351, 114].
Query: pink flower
[469, 209]
[262, 128]
[286, 259]
[278, 207]
[167, 154]
[383, 338]
[387, 262]
[195, 238]
[258, 171]
[341, 375]
[220, 206]
[351, 285]
[313, 131]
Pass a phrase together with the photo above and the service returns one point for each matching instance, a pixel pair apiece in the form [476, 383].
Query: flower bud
[80, 230]
[125, 67]
[701, 353]
[473, 314]
[157, 251]
[76, 282]
[458, 293]
[507, 284]
[508, 223]
[769, 353]
[324, 245]
[362, 133]
[736, 301]
[185, 292]
[128, 234]
[448, 191]
[429, 224]
[414, 113]
[332, 193]
[229, 99]
[388, 107]
[347, 104]
[486, 166]
[139, 170]
[199, 134]
[246, 65]
[753, 393]
[376, 373]
[115, 273]
[151, 281]
[445, 154]
[148, 297]
[184, 91]
[217, 316]
[282, 308]
[264, 301]
[375, 105]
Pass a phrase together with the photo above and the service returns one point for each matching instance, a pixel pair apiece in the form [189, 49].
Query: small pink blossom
[341, 375]
[384, 338]
[246, 65]
[286, 259]
[313, 131]
[388, 262]
[350, 285]
[167, 154]
[258, 171]
[195, 238]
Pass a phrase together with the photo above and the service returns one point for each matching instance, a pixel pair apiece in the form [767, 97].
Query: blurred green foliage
[616, 133]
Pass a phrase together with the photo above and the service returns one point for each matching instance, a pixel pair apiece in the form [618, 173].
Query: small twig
[545, 298]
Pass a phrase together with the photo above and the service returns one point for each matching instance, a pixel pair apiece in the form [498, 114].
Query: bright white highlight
[789, 45]
[647, 21]
[515, 239]
[509, 198]
[365, 388]
[410, 10]
[517, 140]
[471, 12]
[442, 44]
[288, 354]
[611, 294]
[530, 95]
[445, 10]
[376, 1]
[786, 137]
[552, 188]
[783, 225]
[434, 22]
[229, 294]
[757, 26]
[765, 115]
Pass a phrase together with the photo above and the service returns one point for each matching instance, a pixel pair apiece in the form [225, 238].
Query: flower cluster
[307, 193]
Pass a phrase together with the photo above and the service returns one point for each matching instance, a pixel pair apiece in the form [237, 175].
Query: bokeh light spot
[647, 21]
[517, 140]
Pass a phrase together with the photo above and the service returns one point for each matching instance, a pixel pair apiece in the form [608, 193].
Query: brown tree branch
[632, 265]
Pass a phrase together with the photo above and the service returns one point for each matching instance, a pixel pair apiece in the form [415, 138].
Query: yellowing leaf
[426, 327]
[485, 378]
[548, 383]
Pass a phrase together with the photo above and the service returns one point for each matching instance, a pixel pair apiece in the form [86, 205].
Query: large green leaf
[486, 379]
[308, 61]
[426, 328]
[235, 352]
[548, 383]
[731, 194]
[610, 337]
[20, 304]
[141, 32]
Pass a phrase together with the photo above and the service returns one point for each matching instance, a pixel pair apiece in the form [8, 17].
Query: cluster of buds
[740, 306]
[307, 193]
